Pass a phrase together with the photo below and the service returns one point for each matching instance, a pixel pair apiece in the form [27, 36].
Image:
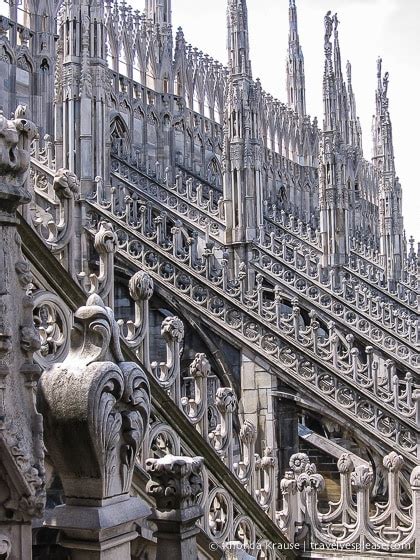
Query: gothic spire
[391, 226]
[355, 131]
[329, 89]
[238, 38]
[159, 11]
[296, 91]
[342, 96]
[333, 196]
[383, 150]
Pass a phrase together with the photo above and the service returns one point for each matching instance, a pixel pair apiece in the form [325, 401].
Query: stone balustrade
[351, 523]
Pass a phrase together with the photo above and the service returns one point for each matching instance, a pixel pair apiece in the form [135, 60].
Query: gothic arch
[119, 133]
[214, 173]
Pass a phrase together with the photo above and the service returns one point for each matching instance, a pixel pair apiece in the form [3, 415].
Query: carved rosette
[176, 482]
[298, 463]
[96, 409]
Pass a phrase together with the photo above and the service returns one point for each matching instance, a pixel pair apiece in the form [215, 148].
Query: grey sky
[368, 28]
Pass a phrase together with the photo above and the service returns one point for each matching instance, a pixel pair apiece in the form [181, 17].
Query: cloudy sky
[368, 28]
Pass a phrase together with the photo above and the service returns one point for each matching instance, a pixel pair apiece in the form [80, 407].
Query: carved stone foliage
[96, 408]
[176, 482]
[52, 321]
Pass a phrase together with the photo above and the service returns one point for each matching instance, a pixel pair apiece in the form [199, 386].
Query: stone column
[96, 410]
[176, 484]
[21, 451]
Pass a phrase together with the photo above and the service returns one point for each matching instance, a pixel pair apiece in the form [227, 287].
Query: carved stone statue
[328, 23]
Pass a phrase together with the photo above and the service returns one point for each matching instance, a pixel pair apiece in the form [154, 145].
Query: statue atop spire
[391, 227]
[328, 23]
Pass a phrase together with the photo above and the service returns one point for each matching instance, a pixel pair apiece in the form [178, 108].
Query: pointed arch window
[207, 107]
[119, 136]
[214, 174]
[218, 112]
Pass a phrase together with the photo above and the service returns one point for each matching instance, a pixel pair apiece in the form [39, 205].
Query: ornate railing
[307, 240]
[346, 304]
[323, 360]
[225, 518]
[287, 235]
[384, 405]
[351, 525]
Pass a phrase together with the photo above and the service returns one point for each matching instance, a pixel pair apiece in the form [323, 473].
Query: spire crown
[295, 73]
[238, 38]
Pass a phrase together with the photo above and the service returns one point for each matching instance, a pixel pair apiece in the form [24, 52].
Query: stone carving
[175, 231]
[176, 485]
[350, 522]
[15, 138]
[101, 396]
[176, 482]
[53, 323]
[66, 184]
[105, 243]
[136, 333]
[167, 372]
[22, 476]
